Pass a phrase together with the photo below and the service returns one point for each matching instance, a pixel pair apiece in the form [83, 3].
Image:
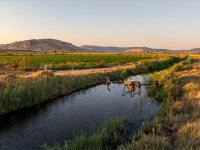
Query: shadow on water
[59, 120]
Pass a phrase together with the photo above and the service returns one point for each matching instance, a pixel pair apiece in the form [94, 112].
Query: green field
[67, 61]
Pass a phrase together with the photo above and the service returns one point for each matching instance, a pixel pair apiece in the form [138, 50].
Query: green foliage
[177, 124]
[154, 65]
[67, 61]
[111, 133]
[104, 138]
[24, 93]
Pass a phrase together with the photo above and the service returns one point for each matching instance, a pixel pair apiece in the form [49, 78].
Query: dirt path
[92, 71]
[82, 72]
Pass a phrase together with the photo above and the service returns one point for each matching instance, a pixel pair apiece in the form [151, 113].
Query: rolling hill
[123, 49]
[135, 49]
[41, 45]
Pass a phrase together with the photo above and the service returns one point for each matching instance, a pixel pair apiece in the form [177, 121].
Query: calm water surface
[60, 119]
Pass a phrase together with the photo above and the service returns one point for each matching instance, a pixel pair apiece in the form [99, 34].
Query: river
[61, 119]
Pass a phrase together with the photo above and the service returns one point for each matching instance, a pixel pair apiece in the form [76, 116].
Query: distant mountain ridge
[41, 45]
[134, 49]
[105, 48]
[122, 49]
[194, 50]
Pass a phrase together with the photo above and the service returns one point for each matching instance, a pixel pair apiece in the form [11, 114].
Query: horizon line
[98, 45]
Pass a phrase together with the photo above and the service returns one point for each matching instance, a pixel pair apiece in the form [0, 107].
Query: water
[60, 119]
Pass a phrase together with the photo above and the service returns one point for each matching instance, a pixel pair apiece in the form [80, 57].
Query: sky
[172, 24]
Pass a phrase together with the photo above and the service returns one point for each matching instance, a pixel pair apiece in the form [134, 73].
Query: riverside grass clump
[177, 124]
[24, 93]
[19, 93]
[106, 137]
[147, 66]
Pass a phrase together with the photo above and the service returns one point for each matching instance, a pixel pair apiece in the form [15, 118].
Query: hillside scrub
[177, 124]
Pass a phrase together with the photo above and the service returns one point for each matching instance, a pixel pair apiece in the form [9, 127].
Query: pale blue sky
[173, 24]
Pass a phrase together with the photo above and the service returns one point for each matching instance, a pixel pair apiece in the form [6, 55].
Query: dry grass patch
[37, 74]
[188, 136]
[148, 142]
[190, 87]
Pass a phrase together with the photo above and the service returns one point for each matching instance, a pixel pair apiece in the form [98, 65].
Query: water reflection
[58, 120]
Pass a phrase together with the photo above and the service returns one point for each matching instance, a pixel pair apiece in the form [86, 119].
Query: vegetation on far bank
[67, 61]
[17, 93]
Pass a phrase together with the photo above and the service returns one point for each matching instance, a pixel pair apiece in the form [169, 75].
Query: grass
[110, 134]
[106, 137]
[67, 61]
[148, 142]
[17, 93]
[177, 124]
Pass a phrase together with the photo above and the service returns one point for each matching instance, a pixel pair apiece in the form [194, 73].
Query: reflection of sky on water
[58, 120]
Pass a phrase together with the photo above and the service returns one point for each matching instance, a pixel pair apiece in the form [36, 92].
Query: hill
[104, 48]
[194, 50]
[41, 45]
[123, 49]
[135, 49]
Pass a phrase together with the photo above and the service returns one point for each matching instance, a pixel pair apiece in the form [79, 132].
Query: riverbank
[96, 140]
[177, 124]
[79, 113]
[17, 93]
